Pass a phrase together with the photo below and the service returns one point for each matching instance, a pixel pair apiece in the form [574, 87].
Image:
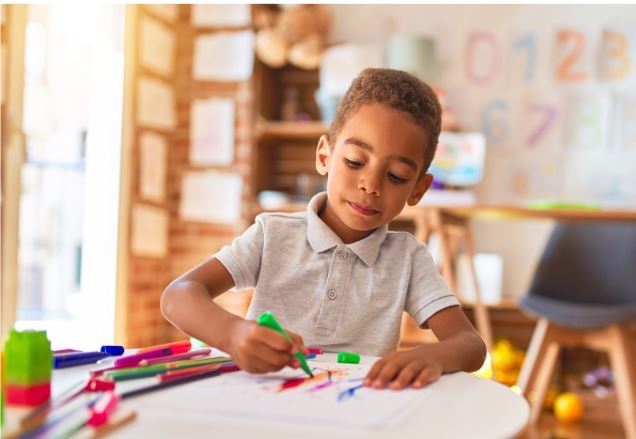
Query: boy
[334, 273]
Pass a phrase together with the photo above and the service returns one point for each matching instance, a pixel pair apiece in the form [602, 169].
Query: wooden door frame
[13, 156]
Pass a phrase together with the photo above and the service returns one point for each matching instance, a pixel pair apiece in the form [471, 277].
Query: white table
[463, 406]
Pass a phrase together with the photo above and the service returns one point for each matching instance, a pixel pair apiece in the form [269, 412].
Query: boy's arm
[459, 348]
[187, 304]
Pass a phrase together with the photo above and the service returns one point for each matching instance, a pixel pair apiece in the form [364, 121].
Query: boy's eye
[396, 178]
[353, 163]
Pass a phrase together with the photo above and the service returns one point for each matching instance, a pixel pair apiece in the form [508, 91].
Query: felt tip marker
[267, 319]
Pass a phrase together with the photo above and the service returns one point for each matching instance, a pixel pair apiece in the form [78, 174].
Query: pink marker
[133, 360]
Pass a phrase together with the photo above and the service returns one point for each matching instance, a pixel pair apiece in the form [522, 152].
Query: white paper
[149, 231]
[152, 179]
[224, 56]
[626, 122]
[211, 196]
[588, 120]
[324, 400]
[212, 132]
[155, 104]
[221, 15]
[166, 11]
[157, 46]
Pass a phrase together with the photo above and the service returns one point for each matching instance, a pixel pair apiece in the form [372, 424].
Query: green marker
[267, 319]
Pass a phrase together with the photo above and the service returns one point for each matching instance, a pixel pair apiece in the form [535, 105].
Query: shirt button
[343, 255]
[331, 294]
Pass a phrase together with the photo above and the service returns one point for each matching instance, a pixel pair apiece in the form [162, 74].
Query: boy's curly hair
[399, 90]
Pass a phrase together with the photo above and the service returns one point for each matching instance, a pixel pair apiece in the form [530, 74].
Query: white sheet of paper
[224, 56]
[166, 11]
[212, 132]
[320, 401]
[152, 179]
[211, 196]
[157, 46]
[626, 121]
[588, 120]
[149, 231]
[155, 104]
[220, 15]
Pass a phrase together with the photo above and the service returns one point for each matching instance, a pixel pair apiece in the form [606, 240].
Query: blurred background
[139, 139]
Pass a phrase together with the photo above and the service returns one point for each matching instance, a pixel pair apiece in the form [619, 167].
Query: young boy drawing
[334, 274]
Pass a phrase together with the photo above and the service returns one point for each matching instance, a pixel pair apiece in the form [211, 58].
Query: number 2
[564, 70]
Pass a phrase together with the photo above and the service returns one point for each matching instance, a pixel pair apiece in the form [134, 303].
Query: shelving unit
[287, 129]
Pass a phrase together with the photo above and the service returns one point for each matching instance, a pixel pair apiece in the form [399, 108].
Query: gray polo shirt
[342, 297]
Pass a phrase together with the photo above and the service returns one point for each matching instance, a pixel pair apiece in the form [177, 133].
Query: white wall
[519, 242]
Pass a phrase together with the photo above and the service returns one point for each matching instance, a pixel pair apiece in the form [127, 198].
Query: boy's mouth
[363, 210]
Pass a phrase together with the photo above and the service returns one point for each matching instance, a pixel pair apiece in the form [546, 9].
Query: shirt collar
[322, 238]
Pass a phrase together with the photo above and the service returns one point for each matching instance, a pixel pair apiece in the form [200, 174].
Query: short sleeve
[242, 257]
[427, 291]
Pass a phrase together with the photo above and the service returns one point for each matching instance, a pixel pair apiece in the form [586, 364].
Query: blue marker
[77, 359]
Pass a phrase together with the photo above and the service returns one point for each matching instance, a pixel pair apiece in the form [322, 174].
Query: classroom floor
[601, 421]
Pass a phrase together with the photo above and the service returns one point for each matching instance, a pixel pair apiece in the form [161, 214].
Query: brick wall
[189, 242]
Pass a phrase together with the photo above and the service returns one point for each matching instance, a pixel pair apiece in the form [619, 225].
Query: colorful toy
[568, 407]
[28, 361]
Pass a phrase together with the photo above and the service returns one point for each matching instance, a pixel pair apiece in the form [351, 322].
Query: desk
[451, 224]
[462, 405]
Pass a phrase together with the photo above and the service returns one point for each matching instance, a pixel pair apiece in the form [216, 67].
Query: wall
[559, 172]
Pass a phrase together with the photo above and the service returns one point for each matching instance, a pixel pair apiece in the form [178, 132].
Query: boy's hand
[257, 349]
[416, 367]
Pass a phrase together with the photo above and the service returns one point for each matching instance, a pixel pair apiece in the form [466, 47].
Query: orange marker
[177, 347]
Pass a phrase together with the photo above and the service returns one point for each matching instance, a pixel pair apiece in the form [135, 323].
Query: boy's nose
[370, 184]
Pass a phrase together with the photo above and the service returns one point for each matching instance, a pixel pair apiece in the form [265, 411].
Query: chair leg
[620, 353]
[482, 316]
[543, 378]
[534, 357]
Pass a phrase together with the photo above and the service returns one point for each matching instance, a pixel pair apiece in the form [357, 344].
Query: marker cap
[112, 350]
[348, 357]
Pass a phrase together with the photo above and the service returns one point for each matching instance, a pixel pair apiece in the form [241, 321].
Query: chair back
[588, 263]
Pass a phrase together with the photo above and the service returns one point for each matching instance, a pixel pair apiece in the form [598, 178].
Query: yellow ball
[568, 407]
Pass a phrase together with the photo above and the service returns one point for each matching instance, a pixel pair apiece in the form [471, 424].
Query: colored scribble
[321, 380]
[348, 393]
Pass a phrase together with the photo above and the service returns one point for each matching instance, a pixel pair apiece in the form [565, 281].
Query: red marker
[177, 347]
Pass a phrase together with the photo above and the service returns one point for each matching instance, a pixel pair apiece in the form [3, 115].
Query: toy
[291, 33]
[568, 407]
[29, 361]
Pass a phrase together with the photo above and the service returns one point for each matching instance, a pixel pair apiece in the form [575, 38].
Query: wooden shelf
[291, 130]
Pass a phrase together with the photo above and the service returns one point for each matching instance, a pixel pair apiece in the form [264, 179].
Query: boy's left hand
[399, 369]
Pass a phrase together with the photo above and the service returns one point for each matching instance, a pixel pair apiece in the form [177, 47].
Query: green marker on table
[267, 319]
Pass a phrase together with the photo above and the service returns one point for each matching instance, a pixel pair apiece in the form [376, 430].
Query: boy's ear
[420, 189]
[323, 155]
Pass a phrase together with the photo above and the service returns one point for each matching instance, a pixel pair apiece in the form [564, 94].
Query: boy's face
[373, 170]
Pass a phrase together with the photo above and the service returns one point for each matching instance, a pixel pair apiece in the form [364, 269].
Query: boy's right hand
[257, 349]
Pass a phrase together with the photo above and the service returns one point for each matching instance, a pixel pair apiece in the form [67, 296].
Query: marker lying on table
[79, 358]
[132, 373]
[71, 359]
[135, 359]
[267, 319]
[177, 347]
[40, 412]
[160, 360]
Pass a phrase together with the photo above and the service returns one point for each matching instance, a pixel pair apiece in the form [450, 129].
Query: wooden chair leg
[620, 354]
[534, 357]
[544, 376]
[482, 317]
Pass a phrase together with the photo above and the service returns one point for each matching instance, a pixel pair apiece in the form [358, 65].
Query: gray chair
[584, 294]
